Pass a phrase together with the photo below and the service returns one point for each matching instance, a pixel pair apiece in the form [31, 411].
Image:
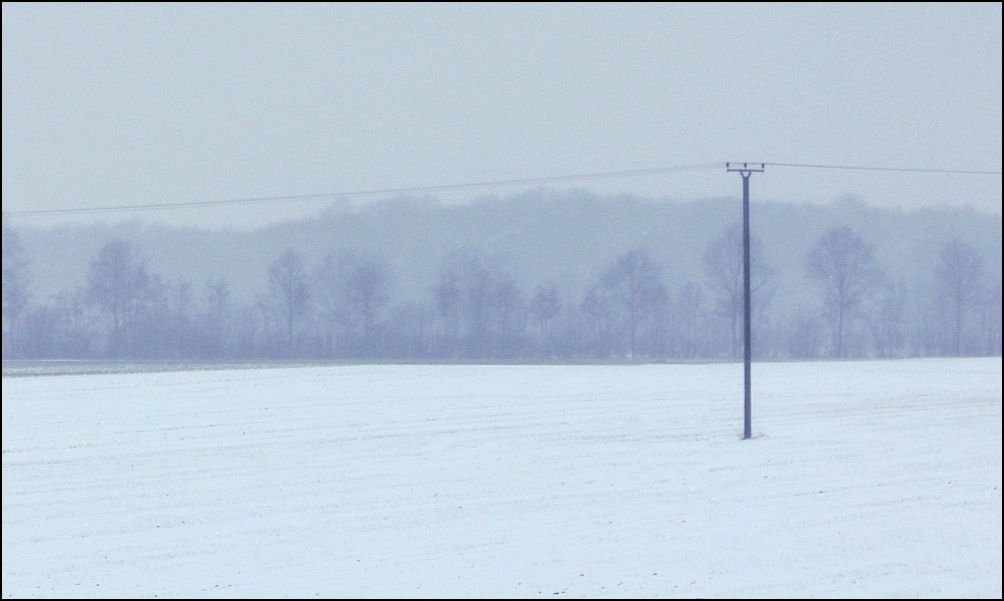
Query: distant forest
[540, 276]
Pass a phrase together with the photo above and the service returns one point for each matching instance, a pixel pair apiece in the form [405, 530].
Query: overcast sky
[128, 104]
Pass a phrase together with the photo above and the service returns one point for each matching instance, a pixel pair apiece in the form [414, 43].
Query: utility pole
[745, 171]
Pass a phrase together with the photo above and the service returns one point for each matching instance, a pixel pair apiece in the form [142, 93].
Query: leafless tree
[595, 323]
[889, 326]
[118, 284]
[351, 290]
[287, 293]
[15, 287]
[165, 329]
[849, 276]
[78, 323]
[412, 325]
[218, 310]
[959, 273]
[803, 335]
[544, 309]
[480, 305]
[723, 267]
[636, 290]
[449, 303]
[990, 319]
[691, 322]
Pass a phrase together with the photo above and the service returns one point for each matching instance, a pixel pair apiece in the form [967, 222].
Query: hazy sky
[126, 104]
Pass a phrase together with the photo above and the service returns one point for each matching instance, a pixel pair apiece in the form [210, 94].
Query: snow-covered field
[864, 479]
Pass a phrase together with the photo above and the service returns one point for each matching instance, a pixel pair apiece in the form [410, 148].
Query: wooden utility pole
[745, 171]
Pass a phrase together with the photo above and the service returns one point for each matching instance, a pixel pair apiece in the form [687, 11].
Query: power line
[386, 191]
[911, 169]
[470, 186]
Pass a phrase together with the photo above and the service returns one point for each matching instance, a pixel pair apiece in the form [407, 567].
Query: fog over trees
[539, 276]
[844, 266]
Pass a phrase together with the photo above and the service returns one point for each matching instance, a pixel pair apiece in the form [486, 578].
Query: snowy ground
[864, 479]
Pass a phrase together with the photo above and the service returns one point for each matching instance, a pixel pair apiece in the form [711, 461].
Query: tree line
[342, 307]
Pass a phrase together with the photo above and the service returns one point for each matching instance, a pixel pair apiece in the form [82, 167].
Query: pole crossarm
[746, 168]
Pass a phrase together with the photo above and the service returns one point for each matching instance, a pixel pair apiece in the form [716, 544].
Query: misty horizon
[544, 274]
[542, 151]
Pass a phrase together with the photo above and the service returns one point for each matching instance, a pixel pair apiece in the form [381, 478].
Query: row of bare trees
[963, 311]
[343, 307]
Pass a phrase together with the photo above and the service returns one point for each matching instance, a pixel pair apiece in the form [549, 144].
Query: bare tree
[181, 320]
[449, 303]
[217, 317]
[369, 283]
[723, 266]
[889, 327]
[78, 323]
[507, 317]
[287, 293]
[15, 288]
[691, 322]
[351, 290]
[635, 287]
[164, 328]
[411, 328]
[544, 309]
[849, 276]
[479, 303]
[595, 327]
[959, 273]
[118, 284]
[990, 319]
[804, 335]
